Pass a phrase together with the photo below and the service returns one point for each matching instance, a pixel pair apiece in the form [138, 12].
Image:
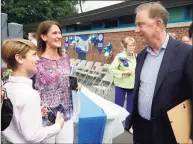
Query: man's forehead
[141, 14]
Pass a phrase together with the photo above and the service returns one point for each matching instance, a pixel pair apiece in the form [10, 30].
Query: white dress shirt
[26, 125]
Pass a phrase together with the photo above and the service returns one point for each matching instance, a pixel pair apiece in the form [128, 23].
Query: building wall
[115, 37]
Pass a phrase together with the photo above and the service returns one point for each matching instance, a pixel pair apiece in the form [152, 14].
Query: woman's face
[130, 47]
[53, 38]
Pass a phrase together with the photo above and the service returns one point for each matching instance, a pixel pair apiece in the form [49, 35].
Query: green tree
[32, 11]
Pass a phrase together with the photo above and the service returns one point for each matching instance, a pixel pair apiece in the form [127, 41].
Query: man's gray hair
[156, 10]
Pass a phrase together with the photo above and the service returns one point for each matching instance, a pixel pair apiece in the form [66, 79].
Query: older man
[163, 77]
[185, 39]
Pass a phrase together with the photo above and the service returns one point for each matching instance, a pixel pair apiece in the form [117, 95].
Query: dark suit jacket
[174, 84]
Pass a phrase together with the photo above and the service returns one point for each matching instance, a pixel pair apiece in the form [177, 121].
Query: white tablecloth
[115, 115]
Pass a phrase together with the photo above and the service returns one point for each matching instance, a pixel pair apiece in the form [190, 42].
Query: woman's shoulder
[65, 57]
[121, 54]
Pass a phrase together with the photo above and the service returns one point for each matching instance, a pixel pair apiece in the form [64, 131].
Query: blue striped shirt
[148, 79]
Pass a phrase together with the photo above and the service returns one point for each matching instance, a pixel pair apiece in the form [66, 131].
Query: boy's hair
[11, 47]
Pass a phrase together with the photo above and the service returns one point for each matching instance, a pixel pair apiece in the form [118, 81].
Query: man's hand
[190, 141]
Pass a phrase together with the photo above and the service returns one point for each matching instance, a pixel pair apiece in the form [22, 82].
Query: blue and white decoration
[124, 61]
[99, 120]
[100, 42]
[108, 51]
[66, 42]
[93, 39]
[73, 41]
[80, 43]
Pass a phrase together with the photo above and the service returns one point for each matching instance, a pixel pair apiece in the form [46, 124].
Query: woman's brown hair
[44, 28]
[11, 47]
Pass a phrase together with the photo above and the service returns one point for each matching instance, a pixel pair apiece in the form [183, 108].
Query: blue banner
[82, 44]
[92, 121]
[100, 42]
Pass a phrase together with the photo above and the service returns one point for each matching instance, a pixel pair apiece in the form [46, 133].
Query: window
[189, 13]
[127, 19]
[70, 28]
[176, 14]
[97, 24]
[83, 26]
[110, 23]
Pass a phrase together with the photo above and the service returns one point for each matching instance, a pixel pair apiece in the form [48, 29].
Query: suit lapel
[140, 61]
[168, 57]
[140, 65]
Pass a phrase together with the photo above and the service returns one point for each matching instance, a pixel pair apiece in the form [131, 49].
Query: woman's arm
[113, 69]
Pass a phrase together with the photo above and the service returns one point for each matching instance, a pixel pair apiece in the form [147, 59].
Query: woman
[26, 124]
[123, 68]
[52, 78]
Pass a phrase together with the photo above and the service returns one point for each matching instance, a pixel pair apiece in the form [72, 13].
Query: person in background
[123, 69]
[163, 77]
[26, 124]
[173, 35]
[190, 32]
[52, 78]
[185, 39]
[32, 38]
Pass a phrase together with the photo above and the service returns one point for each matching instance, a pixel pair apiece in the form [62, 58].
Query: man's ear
[19, 58]
[43, 37]
[159, 23]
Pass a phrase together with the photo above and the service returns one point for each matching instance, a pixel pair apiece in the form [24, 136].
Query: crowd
[151, 81]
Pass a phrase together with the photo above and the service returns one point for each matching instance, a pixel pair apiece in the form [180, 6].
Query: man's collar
[164, 45]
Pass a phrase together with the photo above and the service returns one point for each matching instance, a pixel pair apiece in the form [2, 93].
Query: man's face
[145, 26]
[185, 39]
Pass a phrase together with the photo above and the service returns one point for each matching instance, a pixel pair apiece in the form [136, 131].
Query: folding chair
[80, 67]
[94, 74]
[93, 69]
[105, 68]
[96, 64]
[86, 69]
[108, 78]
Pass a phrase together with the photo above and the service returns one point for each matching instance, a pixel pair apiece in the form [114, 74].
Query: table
[115, 115]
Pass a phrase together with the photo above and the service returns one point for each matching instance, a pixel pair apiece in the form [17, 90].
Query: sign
[100, 42]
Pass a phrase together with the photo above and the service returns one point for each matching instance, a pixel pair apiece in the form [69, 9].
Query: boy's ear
[19, 58]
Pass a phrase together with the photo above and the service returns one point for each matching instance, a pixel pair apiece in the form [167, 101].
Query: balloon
[108, 51]
[93, 39]
[76, 39]
[72, 39]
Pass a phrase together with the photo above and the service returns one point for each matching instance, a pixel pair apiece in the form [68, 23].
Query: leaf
[33, 11]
